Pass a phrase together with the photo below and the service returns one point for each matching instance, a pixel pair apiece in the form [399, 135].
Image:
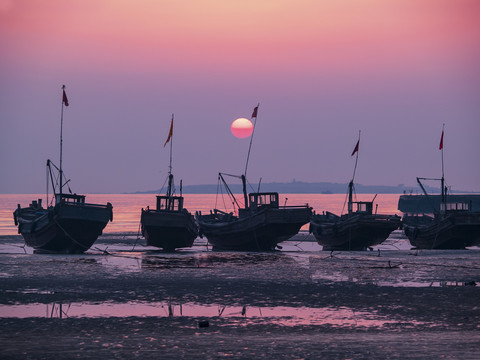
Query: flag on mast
[356, 148]
[254, 114]
[170, 133]
[440, 147]
[64, 99]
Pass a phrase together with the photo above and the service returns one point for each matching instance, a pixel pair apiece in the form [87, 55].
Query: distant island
[300, 187]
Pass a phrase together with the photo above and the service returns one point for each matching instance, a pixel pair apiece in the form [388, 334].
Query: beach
[123, 300]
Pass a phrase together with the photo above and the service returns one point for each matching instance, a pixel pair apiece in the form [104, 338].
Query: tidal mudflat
[122, 299]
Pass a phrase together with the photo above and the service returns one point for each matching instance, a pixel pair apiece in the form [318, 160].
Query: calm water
[127, 207]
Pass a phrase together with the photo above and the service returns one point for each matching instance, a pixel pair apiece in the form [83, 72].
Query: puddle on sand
[243, 315]
[320, 275]
[425, 284]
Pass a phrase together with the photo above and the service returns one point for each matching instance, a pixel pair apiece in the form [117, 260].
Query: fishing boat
[68, 224]
[359, 229]
[419, 203]
[259, 225]
[169, 226]
[453, 226]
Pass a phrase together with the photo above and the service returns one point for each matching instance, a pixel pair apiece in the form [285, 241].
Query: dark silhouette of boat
[169, 226]
[70, 225]
[419, 203]
[260, 225]
[359, 229]
[453, 226]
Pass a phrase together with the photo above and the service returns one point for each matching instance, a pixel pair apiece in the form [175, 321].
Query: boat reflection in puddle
[134, 261]
[238, 315]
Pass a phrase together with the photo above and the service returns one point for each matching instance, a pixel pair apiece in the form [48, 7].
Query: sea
[127, 207]
[125, 299]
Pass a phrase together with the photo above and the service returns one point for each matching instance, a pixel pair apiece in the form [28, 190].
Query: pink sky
[321, 70]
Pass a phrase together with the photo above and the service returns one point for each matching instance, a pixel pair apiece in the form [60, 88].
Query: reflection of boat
[453, 226]
[357, 230]
[169, 226]
[69, 226]
[260, 224]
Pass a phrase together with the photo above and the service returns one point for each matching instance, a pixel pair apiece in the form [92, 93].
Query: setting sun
[242, 128]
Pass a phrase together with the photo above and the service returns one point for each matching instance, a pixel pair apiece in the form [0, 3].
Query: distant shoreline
[300, 187]
[294, 187]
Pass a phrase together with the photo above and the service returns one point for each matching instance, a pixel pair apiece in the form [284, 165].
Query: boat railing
[100, 206]
[215, 216]
[327, 215]
[294, 206]
[386, 217]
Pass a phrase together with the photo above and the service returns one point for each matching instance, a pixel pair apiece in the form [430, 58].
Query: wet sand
[288, 304]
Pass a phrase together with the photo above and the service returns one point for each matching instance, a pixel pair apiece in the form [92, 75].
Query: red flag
[170, 133]
[64, 99]
[356, 148]
[441, 142]
[254, 114]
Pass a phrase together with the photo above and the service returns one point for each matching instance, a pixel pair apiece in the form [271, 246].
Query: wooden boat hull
[259, 231]
[65, 228]
[453, 231]
[357, 232]
[168, 230]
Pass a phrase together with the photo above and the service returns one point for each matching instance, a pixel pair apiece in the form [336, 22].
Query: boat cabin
[258, 200]
[169, 203]
[360, 207]
[69, 199]
[455, 206]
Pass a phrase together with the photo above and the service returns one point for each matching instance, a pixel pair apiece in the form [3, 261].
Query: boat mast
[244, 188]
[244, 176]
[443, 170]
[60, 171]
[170, 176]
[350, 185]
[254, 115]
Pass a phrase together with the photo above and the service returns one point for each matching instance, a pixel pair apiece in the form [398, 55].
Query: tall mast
[350, 185]
[356, 159]
[443, 169]
[350, 197]
[244, 189]
[254, 115]
[171, 147]
[64, 102]
[170, 176]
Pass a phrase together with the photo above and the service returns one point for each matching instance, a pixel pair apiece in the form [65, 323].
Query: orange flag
[170, 133]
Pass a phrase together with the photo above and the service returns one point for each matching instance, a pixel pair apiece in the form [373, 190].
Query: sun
[242, 128]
